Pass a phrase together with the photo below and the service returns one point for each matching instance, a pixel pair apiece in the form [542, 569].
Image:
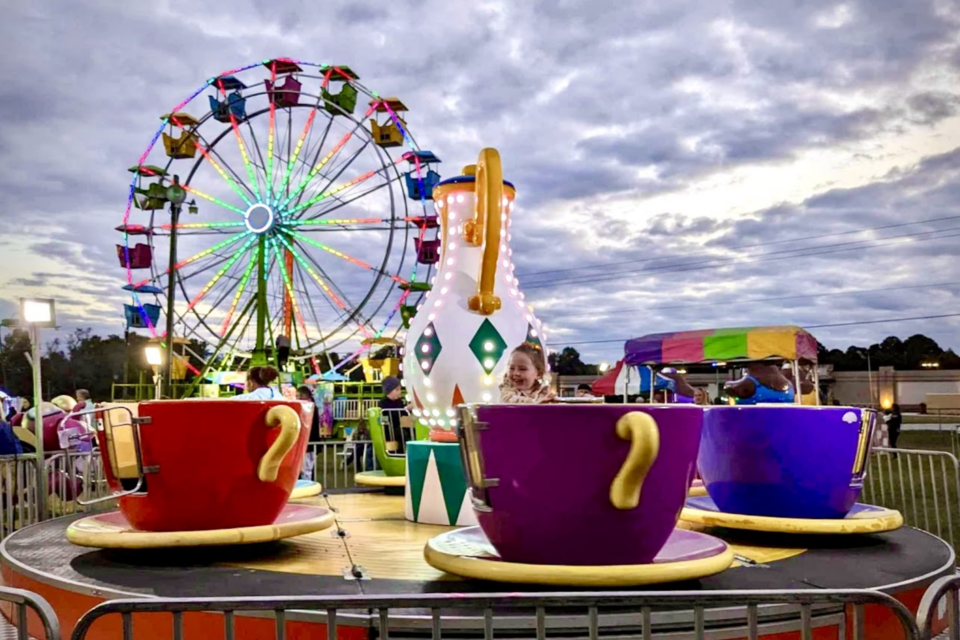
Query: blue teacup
[785, 461]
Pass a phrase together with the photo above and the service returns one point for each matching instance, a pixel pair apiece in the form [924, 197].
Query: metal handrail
[927, 614]
[536, 603]
[24, 600]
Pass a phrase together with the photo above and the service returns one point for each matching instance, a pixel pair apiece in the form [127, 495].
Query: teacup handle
[644, 436]
[289, 423]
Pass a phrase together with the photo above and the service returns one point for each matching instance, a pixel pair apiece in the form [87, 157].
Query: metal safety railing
[923, 485]
[334, 464]
[22, 604]
[941, 600]
[570, 615]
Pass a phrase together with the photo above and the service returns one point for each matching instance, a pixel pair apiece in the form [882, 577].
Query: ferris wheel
[277, 219]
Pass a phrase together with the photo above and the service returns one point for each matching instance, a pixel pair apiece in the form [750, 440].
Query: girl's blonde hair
[535, 353]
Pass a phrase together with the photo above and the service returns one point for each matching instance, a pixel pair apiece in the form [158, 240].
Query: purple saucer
[681, 546]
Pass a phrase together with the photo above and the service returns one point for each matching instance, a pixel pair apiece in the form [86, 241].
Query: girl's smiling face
[522, 372]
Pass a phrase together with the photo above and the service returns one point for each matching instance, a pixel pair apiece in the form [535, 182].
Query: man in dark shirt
[394, 409]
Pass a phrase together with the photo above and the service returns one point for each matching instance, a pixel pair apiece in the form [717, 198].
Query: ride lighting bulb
[417, 413]
[427, 382]
[425, 348]
[431, 397]
[488, 346]
[488, 380]
[451, 413]
[436, 413]
[441, 422]
[459, 197]
[486, 397]
[488, 363]
[425, 365]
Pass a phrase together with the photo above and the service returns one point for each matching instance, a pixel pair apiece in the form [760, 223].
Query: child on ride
[525, 381]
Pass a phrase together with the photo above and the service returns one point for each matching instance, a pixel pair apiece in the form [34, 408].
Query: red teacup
[207, 464]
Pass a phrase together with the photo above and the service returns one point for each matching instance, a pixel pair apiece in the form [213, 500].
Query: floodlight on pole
[36, 313]
[603, 367]
[154, 355]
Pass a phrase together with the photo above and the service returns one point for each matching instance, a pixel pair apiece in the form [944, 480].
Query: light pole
[36, 313]
[155, 359]
[176, 195]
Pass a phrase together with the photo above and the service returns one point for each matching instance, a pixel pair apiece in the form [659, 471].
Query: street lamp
[155, 358]
[176, 195]
[603, 367]
[37, 313]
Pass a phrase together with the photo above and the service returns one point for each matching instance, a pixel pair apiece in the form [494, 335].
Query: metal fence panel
[923, 485]
[25, 602]
[938, 603]
[581, 617]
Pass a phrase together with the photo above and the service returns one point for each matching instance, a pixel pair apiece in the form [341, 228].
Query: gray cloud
[583, 103]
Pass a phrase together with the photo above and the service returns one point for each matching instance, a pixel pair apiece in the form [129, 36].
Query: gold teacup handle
[289, 423]
[644, 436]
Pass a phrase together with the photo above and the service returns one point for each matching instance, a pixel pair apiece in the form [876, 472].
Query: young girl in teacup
[525, 381]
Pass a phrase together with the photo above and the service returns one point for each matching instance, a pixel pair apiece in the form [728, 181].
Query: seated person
[807, 386]
[258, 384]
[584, 391]
[700, 396]
[525, 381]
[762, 382]
[393, 411]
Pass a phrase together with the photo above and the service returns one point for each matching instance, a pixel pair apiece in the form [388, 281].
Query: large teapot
[459, 342]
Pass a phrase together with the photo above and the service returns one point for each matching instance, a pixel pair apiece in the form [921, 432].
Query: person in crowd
[525, 381]
[894, 420]
[394, 409]
[584, 391]
[259, 385]
[761, 382]
[84, 402]
[304, 394]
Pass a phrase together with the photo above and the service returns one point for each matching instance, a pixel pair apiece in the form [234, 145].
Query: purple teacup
[785, 461]
[579, 484]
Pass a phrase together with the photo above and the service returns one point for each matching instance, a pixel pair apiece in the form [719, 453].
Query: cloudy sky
[679, 165]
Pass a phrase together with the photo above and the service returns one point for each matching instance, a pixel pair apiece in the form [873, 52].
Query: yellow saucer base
[876, 521]
[112, 531]
[379, 479]
[455, 553]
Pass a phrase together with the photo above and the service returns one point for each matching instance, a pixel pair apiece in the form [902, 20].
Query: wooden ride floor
[374, 541]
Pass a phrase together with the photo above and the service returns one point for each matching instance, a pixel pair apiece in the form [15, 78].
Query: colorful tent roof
[720, 345]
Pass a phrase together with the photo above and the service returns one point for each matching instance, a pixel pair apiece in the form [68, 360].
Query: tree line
[82, 360]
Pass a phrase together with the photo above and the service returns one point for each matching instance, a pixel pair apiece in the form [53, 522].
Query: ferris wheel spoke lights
[239, 136]
[206, 154]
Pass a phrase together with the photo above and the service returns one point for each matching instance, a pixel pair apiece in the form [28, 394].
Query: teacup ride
[602, 513]
[776, 468]
[191, 473]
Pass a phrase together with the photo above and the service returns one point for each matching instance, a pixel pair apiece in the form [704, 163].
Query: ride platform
[373, 549]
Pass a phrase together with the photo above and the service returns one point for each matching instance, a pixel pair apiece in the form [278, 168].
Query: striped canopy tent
[722, 345]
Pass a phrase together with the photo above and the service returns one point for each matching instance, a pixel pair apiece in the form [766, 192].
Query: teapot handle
[289, 423]
[644, 436]
[485, 229]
